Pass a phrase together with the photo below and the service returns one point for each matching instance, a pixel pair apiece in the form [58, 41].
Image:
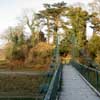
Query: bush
[40, 53]
[42, 49]
[97, 59]
[18, 54]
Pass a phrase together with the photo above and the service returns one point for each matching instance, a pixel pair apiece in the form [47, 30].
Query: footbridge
[74, 81]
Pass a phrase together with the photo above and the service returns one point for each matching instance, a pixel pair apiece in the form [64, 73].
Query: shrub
[97, 59]
[40, 53]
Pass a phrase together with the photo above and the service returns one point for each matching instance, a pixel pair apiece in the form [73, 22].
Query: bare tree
[95, 7]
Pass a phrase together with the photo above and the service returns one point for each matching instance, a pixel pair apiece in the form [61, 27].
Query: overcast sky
[10, 9]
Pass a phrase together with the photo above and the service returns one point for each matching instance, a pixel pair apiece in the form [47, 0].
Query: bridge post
[73, 40]
[57, 49]
[97, 79]
[88, 74]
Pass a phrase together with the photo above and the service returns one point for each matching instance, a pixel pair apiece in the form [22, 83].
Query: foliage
[95, 20]
[78, 20]
[15, 38]
[55, 17]
[8, 50]
[94, 45]
[95, 7]
[95, 24]
[65, 46]
[15, 34]
[31, 20]
[97, 59]
[51, 17]
[40, 53]
[17, 53]
[43, 49]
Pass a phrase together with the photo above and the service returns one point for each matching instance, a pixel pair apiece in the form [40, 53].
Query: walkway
[74, 87]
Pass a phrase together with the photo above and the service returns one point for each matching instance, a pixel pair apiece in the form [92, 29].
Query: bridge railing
[92, 75]
[55, 85]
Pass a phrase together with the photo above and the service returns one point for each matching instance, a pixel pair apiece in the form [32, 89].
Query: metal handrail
[91, 74]
[54, 85]
[87, 67]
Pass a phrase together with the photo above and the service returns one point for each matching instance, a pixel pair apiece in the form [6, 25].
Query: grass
[5, 66]
[12, 85]
[21, 85]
